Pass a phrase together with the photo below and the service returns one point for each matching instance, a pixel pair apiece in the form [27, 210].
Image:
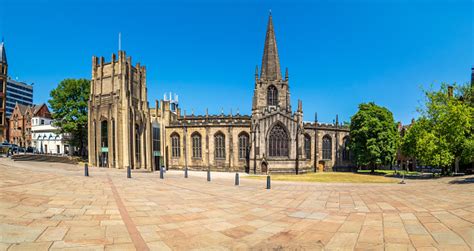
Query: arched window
[137, 143]
[327, 147]
[278, 142]
[219, 144]
[272, 96]
[196, 140]
[243, 145]
[175, 149]
[104, 141]
[346, 155]
[307, 146]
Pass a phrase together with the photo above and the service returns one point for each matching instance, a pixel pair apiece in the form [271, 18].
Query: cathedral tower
[271, 90]
[119, 118]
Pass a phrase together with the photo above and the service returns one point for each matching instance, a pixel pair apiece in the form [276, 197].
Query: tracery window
[243, 145]
[219, 144]
[327, 147]
[307, 146]
[278, 142]
[196, 140]
[175, 149]
[272, 96]
[137, 143]
[346, 154]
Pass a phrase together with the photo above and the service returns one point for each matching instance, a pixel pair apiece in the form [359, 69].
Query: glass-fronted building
[18, 92]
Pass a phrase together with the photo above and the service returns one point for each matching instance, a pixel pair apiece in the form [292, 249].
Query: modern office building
[18, 92]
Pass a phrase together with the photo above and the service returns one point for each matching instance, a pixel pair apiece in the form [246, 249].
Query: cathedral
[124, 131]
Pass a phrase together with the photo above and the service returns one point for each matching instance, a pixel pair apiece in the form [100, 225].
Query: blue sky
[339, 53]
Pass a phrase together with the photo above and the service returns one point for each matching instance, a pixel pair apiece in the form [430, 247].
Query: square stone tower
[119, 118]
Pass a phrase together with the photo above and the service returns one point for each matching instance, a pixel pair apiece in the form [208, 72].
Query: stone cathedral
[124, 131]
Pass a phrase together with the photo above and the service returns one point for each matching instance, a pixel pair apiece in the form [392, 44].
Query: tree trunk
[456, 164]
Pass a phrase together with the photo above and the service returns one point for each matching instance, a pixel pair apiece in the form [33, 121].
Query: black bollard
[161, 173]
[86, 169]
[268, 182]
[129, 172]
[186, 172]
[237, 181]
[208, 175]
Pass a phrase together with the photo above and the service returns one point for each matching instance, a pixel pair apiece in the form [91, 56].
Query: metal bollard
[268, 182]
[129, 172]
[161, 173]
[186, 172]
[86, 169]
[208, 175]
[237, 181]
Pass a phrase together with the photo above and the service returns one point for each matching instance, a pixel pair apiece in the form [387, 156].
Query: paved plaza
[46, 206]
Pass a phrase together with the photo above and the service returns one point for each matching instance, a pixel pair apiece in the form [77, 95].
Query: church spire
[3, 54]
[270, 61]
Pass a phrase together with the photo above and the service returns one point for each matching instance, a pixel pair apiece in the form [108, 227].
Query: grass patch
[330, 177]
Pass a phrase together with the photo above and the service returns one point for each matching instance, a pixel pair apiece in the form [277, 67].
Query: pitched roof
[3, 53]
[270, 61]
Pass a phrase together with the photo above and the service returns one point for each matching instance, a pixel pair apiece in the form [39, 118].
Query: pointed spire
[270, 61]
[3, 53]
[316, 117]
[256, 72]
[286, 74]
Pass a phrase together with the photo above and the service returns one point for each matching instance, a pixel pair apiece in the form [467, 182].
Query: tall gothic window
[156, 138]
[137, 143]
[346, 155]
[104, 139]
[196, 140]
[272, 96]
[327, 147]
[219, 144]
[175, 149]
[307, 146]
[278, 142]
[243, 145]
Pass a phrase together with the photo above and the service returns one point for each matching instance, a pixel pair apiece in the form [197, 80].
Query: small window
[219, 143]
[175, 150]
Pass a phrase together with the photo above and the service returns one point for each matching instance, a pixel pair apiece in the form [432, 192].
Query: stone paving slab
[50, 206]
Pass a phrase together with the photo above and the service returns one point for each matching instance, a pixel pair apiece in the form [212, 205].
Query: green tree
[69, 105]
[443, 135]
[374, 136]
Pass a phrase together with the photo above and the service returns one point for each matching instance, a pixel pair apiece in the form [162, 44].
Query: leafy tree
[374, 136]
[443, 135]
[69, 105]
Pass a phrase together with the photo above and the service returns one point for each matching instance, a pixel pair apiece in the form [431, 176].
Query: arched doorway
[264, 167]
[321, 166]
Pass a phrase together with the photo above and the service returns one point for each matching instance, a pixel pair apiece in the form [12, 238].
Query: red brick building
[20, 123]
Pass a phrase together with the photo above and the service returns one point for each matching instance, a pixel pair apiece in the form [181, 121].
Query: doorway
[321, 166]
[264, 167]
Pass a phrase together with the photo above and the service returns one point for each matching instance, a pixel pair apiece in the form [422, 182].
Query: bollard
[186, 172]
[161, 173]
[237, 182]
[208, 175]
[86, 170]
[268, 182]
[129, 172]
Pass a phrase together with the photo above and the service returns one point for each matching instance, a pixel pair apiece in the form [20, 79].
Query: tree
[69, 105]
[443, 135]
[374, 136]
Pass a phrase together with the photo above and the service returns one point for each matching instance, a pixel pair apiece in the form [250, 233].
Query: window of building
[42, 121]
[243, 145]
[175, 149]
[104, 136]
[1, 85]
[327, 147]
[307, 146]
[346, 154]
[278, 142]
[1, 118]
[137, 143]
[156, 139]
[272, 96]
[219, 143]
[196, 141]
